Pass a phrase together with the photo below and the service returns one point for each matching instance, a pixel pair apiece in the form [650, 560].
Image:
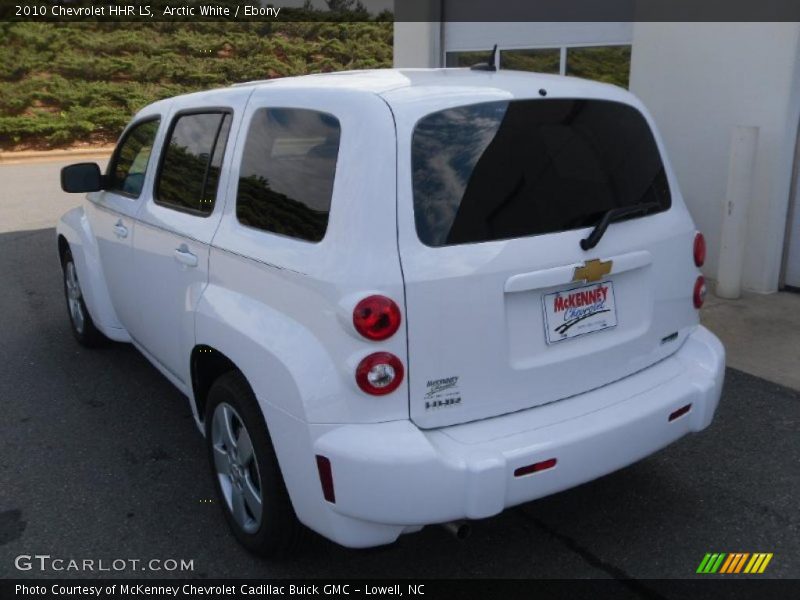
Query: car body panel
[475, 311]
[307, 291]
[281, 311]
[113, 218]
[398, 474]
[75, 228]
[164, 319]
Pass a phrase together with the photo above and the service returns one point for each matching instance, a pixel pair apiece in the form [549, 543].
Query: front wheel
[247, 477]
[83, 328]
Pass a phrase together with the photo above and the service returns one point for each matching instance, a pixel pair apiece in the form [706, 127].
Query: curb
[44, 155]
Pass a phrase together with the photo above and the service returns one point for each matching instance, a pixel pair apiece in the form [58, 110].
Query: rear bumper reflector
[326, 478]
[680, 412]
[535, 467]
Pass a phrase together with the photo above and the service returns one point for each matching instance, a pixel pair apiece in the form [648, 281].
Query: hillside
[68, 84]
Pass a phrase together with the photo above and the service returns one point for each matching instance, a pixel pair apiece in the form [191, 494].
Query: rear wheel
[247, 477]
[82, 325]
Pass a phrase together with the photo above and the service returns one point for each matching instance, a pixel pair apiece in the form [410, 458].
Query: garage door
[792, 273]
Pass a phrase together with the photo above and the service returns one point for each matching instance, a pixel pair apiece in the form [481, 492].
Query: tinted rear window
[502, 170]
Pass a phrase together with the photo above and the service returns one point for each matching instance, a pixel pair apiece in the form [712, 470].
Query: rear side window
[287, 173]
[504, 170]
[129, 163]
[191, 162]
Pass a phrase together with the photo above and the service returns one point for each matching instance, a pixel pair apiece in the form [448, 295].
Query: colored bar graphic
[717, 563]
[734, 562]
[704, 563]
[754, 564]
[711, 563]
[727, 564]
[764, 564]
[741, 562]
[736, 567]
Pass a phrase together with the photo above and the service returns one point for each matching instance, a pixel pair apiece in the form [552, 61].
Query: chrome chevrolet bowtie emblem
[592, 270]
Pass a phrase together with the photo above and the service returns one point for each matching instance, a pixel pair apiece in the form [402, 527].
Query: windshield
[502, 170]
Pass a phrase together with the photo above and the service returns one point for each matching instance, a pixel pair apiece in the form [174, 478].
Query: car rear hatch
[504, 309]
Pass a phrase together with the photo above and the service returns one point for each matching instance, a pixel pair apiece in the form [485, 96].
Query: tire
[81, 323]
[241, 477]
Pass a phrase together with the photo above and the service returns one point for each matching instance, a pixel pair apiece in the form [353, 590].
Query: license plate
[575, 312]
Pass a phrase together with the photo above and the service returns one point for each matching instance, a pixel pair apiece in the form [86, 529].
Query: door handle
[184, 256]
[120, 230]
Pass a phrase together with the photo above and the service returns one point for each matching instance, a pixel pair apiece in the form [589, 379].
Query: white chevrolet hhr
[400, 297]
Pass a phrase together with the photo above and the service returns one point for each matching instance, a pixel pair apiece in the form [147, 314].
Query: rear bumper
[396, 475]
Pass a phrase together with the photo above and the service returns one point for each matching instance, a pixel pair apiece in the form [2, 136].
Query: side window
[191, 162]
[129, 164]
[287, 172]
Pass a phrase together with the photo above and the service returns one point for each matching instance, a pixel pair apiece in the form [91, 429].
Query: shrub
[61, 83]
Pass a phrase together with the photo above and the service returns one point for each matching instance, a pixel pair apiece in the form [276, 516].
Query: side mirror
[83, 177]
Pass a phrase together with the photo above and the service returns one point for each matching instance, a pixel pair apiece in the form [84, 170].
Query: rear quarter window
[503, 170]
[287, 172]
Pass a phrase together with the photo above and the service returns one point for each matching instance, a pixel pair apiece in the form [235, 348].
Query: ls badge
[592, 270]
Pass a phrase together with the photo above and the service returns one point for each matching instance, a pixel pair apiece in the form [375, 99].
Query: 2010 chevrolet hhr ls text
[401, 297]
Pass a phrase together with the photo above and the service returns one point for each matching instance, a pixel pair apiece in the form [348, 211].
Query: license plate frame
[590, 307]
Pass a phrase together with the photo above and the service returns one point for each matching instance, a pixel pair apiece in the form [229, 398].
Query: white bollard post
[741, 169]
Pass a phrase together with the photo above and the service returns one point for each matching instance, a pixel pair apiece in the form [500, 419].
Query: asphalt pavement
[100, 459]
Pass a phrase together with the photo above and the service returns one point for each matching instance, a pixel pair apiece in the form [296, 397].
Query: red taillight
[376, 318]
[699, 295]
[326, 478]
[379, 374]
[699, 250]
[535, 467]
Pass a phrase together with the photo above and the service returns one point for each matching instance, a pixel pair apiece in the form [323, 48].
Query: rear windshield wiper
[616, 214]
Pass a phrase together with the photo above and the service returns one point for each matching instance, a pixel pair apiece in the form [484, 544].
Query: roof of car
[406, 88]
[381, 81]
[413, 89]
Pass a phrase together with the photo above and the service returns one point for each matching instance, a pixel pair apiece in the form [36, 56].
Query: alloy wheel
[74, 297]
[236, 467]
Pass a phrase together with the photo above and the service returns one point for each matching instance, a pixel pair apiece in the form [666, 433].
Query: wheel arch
[284, 365]
[63, 248]
[285, 371]
[207, 364]
[74, 233]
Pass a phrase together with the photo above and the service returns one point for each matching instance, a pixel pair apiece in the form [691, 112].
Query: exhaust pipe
[460, 530]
